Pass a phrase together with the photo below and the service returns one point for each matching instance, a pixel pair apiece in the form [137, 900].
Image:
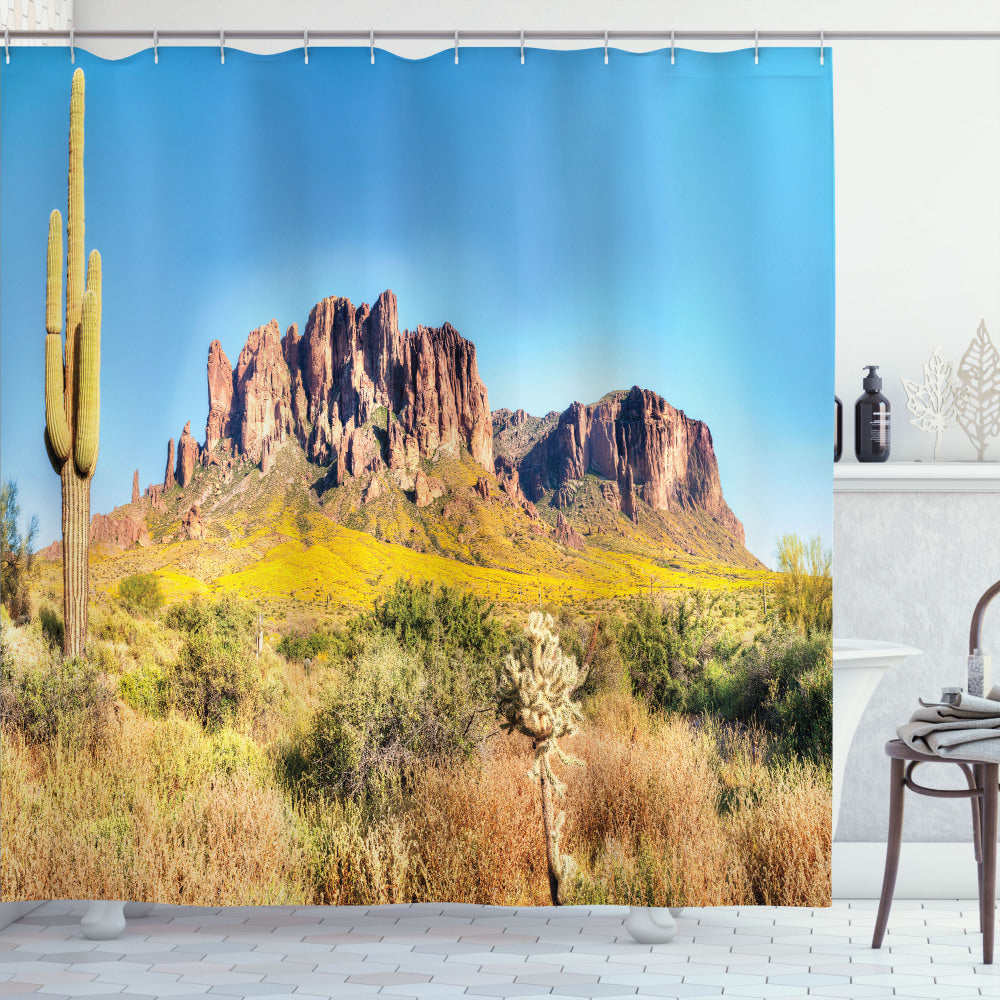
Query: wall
[909, 568]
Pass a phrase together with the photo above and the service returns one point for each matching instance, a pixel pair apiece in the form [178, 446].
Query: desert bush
[145, 689]
[304, 645]
[584, 636]
[664, 648]
[16, 554]
[141, 593]
[804, 590]
[47, 699]
[390, 713]
[425, 618]
[215, 675]
[52, 625]
[115, 625]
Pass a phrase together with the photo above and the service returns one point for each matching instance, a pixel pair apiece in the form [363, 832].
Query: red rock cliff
[654, 452]
[323, 386]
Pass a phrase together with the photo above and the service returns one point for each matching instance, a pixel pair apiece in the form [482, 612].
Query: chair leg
[895, 839]
[977, 832]
[991, 774]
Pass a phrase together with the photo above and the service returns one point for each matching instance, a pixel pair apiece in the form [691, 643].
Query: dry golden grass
[658, 815]
[146, 814]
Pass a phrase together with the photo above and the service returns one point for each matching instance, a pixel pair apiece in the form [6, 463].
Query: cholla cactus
[535, 699]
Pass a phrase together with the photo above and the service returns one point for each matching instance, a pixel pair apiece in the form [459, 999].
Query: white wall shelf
[916, 477]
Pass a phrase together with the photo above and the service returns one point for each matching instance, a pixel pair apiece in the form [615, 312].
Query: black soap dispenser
[871, 420]
[838, 427]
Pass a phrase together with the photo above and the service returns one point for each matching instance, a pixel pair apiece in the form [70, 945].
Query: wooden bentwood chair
[982, 791]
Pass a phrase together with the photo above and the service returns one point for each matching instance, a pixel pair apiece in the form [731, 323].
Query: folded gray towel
[968, 729]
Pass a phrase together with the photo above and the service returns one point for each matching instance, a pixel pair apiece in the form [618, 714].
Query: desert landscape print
[348, 617]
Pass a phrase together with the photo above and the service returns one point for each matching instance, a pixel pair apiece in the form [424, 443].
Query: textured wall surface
[909, 568]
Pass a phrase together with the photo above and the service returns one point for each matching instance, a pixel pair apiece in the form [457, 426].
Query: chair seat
[903, 751]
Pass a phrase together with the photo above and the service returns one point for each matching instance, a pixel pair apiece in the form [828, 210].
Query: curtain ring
[821, 46]
[222, 47]
[72, 45]
[756, 50]
[305, 44]
[156, 46]
[371, 44]
[456, 46]
[522, 46]
[671, 46]
[6, 43]
[605, 46]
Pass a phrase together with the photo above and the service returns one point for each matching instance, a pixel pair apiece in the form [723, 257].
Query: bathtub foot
[651, 925]
[133, 910]
[103, 921]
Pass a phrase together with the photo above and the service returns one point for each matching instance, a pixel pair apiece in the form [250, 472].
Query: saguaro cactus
[535, 699]
[72, 381]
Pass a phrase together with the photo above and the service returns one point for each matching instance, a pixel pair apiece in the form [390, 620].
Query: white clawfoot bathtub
[858, 666]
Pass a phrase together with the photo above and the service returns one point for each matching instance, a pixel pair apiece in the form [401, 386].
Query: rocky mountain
[325, 387]
[362, 402]
[644, 448]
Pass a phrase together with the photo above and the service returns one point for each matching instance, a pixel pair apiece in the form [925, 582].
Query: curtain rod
[369, 36]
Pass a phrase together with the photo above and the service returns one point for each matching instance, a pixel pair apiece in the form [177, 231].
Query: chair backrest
[977, 616]
[979, 680]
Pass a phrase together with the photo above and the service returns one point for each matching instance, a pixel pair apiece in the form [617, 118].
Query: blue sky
[588, 227]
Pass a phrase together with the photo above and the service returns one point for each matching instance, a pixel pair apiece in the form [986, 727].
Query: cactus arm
[56, 426]
[53, 275]
[57, 465]
[57, 435]
[94, 277]
[89, 385]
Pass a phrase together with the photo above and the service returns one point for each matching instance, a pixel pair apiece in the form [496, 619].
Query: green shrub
[424, 616]
[117, 626]
[302, 646]
[47, 699]
[391, 713]
[141, 594]
[804, 590]
[216, 674]
[16, 554]
[146, 689]
[664, 649]
[52, 626]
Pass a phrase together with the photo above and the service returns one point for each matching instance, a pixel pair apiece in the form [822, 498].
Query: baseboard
[926, 871]
[9, 912]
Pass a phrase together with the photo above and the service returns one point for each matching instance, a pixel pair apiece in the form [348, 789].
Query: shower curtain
[415, 477]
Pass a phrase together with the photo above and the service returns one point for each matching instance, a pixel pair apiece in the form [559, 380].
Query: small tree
[535, 699]
[141, 593]
[16, 555]
[804, 591]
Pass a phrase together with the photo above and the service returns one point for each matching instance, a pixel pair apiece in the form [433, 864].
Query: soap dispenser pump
[871, 420]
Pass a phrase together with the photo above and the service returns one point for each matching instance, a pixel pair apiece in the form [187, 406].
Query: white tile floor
[931, 951]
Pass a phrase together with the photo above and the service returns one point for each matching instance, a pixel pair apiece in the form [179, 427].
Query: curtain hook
[371, 44]
[6, 43]
[522, 46]
[821, 46]
[305, 44]
[671, 46]
[222, 46]
[605, 46]
[756, 49]
[156, 45]
[72, 45]
[456, 46]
